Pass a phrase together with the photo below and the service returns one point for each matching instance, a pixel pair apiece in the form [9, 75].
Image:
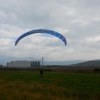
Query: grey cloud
[76, 20]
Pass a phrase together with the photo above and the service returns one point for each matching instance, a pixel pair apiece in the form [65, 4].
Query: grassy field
[28, 85]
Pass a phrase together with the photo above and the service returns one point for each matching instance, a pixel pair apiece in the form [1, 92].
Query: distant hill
[4, 60]
[64, 63]
[88, 63]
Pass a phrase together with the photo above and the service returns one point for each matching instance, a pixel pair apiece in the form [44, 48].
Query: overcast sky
[77, 20]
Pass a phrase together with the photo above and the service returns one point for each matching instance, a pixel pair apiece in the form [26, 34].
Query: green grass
[28, 85]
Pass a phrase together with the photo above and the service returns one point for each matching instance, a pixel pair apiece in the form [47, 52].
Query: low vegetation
[96, 70]
[29, 85]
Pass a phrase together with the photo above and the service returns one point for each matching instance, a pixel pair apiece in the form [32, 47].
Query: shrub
[96, 70]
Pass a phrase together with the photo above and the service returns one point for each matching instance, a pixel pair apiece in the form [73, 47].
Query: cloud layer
[77, 20]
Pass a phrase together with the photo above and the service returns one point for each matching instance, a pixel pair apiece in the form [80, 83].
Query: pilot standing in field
[41, 72]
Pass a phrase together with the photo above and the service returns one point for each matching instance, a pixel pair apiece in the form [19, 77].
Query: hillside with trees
[92, 63]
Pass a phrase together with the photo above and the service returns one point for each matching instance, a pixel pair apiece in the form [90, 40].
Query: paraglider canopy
[42, 31]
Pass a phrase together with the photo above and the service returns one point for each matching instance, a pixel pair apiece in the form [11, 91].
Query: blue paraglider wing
[42, 31]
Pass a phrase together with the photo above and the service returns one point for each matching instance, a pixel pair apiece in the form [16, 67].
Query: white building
[23, 64]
